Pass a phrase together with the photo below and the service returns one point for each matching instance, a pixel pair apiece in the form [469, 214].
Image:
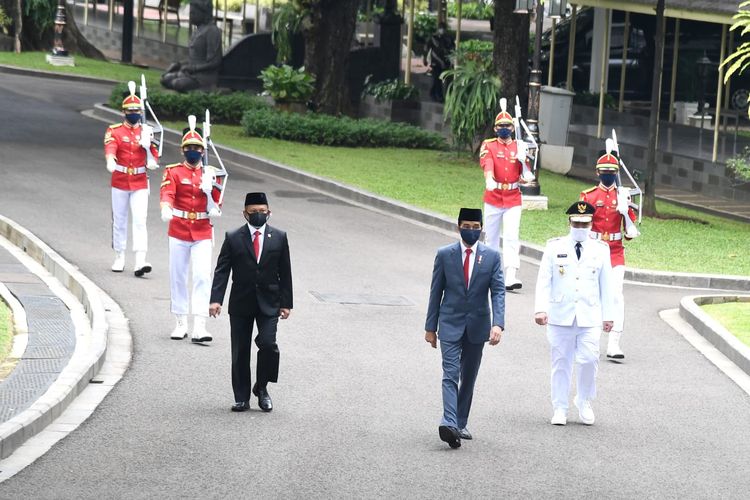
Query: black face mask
[256, 219]
[607, 179]
[470, 236]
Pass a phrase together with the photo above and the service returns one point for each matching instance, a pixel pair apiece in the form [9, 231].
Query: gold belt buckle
[605, 237]
[131, 170]
[504, 186]
[192, 215]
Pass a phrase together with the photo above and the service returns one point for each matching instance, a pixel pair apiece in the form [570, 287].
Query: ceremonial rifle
[146, 105]
[221, 172]
[612, 145]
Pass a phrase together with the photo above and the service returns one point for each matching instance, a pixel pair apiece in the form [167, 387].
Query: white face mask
[579, 233]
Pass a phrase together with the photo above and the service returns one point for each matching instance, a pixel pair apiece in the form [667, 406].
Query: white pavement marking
[739, 377]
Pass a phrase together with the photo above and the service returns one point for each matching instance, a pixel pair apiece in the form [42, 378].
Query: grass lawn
[84, 66]
[443, 182]
[734, 316]
[6, 331]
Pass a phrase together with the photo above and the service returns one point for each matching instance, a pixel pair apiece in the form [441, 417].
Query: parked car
[696, 39]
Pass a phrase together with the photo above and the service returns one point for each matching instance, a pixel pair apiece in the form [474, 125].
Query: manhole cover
[362, 299]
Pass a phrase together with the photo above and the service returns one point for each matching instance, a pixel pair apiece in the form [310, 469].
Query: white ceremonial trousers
[505, 221]
[137, 203]
[569, 345]
[185, 256]
[618, 278]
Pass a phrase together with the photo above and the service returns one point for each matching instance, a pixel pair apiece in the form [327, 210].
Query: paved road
[358, 403]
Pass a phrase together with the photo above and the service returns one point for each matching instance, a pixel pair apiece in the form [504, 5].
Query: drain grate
[361, 299]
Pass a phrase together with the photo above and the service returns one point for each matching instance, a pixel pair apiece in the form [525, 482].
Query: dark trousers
[267, 367]
[436, 91]
[461, 360]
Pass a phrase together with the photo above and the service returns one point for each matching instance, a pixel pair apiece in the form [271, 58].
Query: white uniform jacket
[568, 289]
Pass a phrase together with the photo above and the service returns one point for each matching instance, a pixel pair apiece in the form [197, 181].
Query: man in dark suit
[465, 274]
[257, 255]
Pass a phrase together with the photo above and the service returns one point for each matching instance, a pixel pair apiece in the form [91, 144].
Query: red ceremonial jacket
[123, 141]
[180, 187]
[607, 220]
[499, 158]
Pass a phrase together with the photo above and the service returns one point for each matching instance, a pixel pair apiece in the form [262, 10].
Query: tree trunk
[328, 29]
[649, 185]
[511, 54]
[30, 40]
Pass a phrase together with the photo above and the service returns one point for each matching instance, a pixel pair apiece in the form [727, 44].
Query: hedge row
[337, 131]
[225, 108]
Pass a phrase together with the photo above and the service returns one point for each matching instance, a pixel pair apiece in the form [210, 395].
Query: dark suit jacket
[452, 309]
[262, 287]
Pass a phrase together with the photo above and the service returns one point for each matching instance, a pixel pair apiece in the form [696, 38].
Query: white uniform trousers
[618, 277]
[137, 203]
[505, 221]
[569, 344]
[181, 255]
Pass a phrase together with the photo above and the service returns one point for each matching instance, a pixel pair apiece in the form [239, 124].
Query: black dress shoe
[450, 435]
[464, 433]
[241, 406]
[145, 269]
[264, 400]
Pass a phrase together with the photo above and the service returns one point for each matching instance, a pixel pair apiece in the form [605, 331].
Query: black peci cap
[470, 214]
[256, 199]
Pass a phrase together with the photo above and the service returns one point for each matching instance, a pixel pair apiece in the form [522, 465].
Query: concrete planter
[291, 106]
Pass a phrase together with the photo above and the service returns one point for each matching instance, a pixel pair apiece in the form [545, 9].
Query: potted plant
[290, 88]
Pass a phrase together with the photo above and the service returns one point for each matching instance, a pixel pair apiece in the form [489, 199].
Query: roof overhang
[677, 11]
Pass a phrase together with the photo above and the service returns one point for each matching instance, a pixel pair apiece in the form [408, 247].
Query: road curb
[712, 330]
[89, 319]
[4, 68]
[687, 280]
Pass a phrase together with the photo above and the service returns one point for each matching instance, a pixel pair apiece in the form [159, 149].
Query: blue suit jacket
[453, 309]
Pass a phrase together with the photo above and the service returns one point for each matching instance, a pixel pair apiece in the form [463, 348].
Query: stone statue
[202, 70]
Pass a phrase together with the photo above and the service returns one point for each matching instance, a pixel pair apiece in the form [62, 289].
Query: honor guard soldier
[504, 163]
[129, 151]
[613, 221]
[190, 193]
[574, 299]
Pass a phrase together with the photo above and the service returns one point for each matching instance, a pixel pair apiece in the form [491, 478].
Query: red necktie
[466, 266]
[256, 246]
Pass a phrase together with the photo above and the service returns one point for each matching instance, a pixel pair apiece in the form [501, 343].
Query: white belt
[130, 170]
[189, 215]
[507, 186]
[606, 236]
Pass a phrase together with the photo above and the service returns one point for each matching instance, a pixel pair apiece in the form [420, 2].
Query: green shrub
[472, 10]
[586, 98]
[739, 165]
[285, 83]
[225, 108]
[425, 24]
[337, 131]
[286, 22]
[477, 51]
[471, 101]
[5, 22]
[389, 90]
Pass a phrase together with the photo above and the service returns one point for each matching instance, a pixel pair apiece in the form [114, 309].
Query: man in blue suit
[466, 273]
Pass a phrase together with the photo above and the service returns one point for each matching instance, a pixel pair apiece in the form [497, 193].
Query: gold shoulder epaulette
[589, 189]
[492, 139]
[115, 125]
[173, 165]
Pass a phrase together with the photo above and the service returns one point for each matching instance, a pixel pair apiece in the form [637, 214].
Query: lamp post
[60, 56]
[535, 79]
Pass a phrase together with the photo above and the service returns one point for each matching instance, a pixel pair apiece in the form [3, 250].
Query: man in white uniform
[574, 299]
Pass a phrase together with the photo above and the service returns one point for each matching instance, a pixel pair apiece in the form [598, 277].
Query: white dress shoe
[585, 412]
[613, 346]
[180, 329]
[141, 266]
[119, 264]
[200, 334]
[560, 417]
[511, 281]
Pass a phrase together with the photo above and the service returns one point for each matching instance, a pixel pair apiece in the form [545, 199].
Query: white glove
[147, 133]
[623, 198]
[490, 184]
[207, 182]
[214, 212]
[527, 176]
[110, 165]
[521, 150]
[151, 163]
[166, 213]
[631, 232]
